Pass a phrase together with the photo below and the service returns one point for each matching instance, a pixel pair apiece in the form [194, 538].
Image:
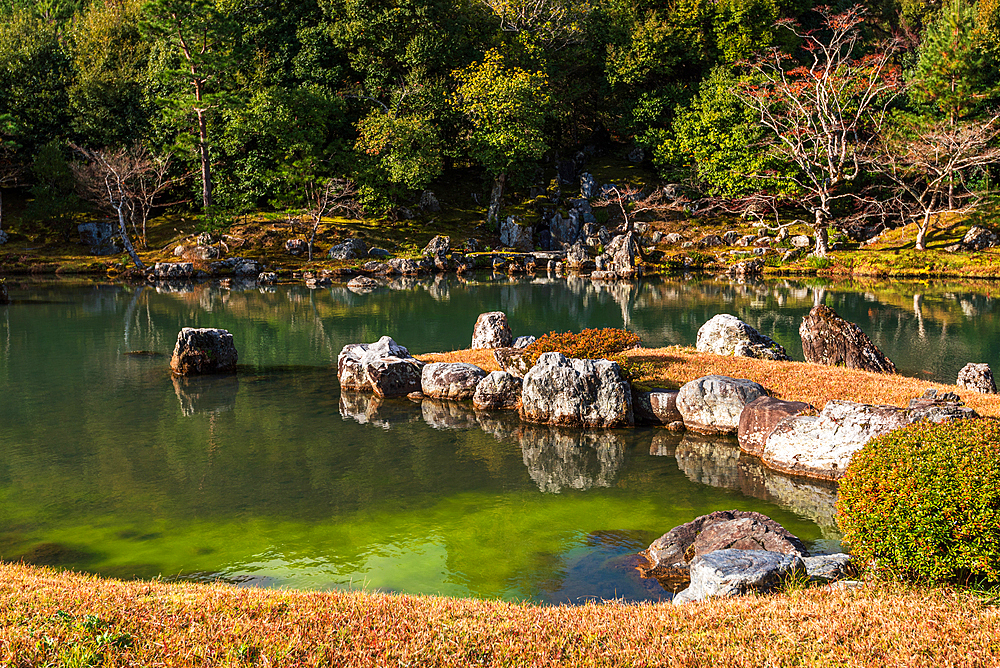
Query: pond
[273, 478]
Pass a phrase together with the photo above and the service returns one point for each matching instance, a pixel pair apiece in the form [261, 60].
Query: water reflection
[206, 394]
[559, 458]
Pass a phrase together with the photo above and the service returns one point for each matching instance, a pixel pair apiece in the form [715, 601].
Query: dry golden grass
[49, 618]
[798, 381]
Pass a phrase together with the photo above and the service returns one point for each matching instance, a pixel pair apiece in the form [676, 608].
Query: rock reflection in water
[443, 414]
[561, 458]
[367, 408]
[718, 462]
[501, 425]
[664, 443]
[206, 394]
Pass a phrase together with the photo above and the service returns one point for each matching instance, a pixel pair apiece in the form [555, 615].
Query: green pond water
[272, 477]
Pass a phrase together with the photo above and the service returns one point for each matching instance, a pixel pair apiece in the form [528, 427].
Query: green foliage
[505, 107]
[717, 139]
[953, 73]
[923, 502]
[53, 196]
[606, 343]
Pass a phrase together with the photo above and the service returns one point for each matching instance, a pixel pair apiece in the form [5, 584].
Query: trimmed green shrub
[923, 503]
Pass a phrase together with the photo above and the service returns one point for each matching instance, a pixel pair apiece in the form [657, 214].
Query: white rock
[576, 392]
[712, 404]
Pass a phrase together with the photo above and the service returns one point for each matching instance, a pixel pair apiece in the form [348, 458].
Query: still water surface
[272, 478]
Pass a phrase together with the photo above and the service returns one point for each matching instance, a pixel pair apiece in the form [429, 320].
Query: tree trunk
[123, 230]
[821, 234]
[495, 197]
[206, 165]
[922, 231]
[312, 238]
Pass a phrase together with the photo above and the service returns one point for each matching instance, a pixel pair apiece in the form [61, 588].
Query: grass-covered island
[910, 610]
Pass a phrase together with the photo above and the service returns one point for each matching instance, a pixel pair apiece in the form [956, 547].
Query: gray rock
[173, 271]
[669, 557]
[672, 238]
[711, 241]
[576, 392]
[363, 284]
[727, 573]
[827, 567]
[378, 253]
[822, 446]
[731, 237]
[297, 247]
[564, 230]
[747, 268]
[450, 380]
[829, 339]
[492, 331]
[514, 234]
[498, 391]
[102, 238]
[978, 238]
[439, 245]
[202, 253]
[267, 278]
[524, 341]
[746, 240]
[712, 404]
[352, 249]
[3, 237]
[800, 241]
[429, 203]
[978, 378]
[350, 372]
[246, 268]
[577, 255]
[620, 255]
[391, 376]
[725, 334]
[760, 417]
[203, 351]
[404, 266]
[588, 185]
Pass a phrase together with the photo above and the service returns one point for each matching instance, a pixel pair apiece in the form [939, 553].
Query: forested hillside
[230, 106]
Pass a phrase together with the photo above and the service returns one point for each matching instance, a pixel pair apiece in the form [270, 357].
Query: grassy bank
[49, 618]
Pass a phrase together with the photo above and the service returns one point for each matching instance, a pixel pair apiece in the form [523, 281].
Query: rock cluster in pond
[829, 339]
[726, 334]
[498, 391]
[576, 392]
[384, 367]
[203, 351]
[978, 378]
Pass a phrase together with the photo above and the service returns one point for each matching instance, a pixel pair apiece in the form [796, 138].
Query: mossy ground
[52, 247]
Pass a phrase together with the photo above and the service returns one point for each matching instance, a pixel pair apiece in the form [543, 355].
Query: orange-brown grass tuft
[799, 381]
[49, 618]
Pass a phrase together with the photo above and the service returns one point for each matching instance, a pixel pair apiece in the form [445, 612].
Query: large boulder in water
[492, 331]
[822, 446]
[359, 367]
[759, 418]
[829, 339]
[726, 334]
[450, 380]
[576, 393]
[669, 557]
[712, 404]
[202, 351]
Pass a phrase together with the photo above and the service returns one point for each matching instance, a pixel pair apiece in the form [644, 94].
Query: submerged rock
[203, 351]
